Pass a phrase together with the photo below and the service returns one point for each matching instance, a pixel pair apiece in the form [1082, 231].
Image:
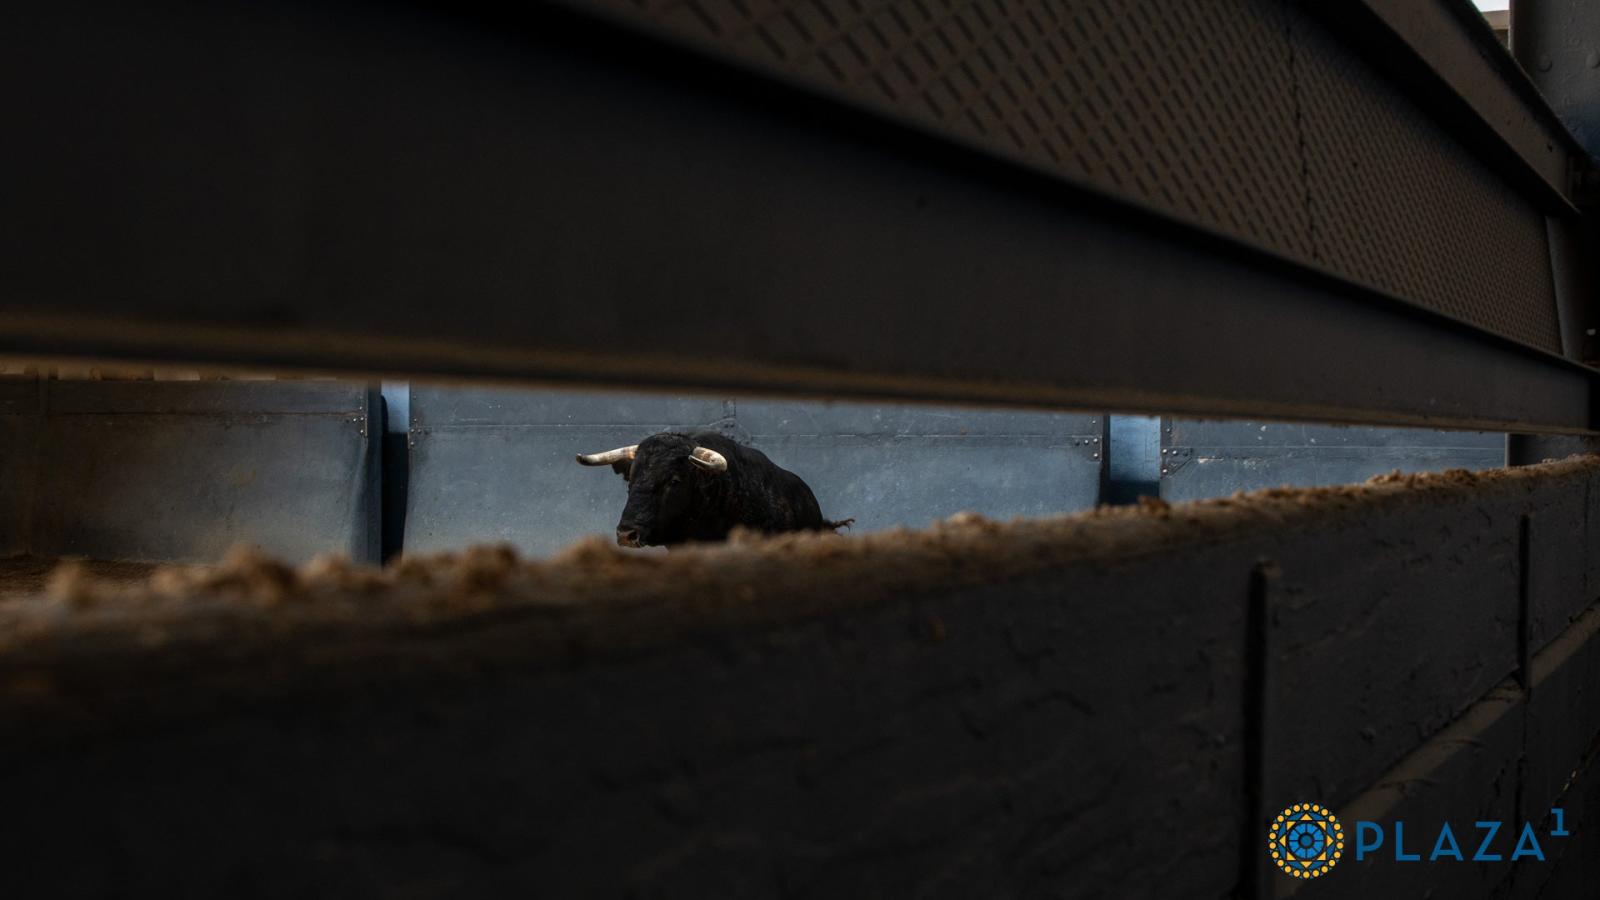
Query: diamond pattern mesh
[1397, 205]
[1240, 115]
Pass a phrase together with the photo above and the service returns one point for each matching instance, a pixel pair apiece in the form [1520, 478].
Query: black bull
[698, 487]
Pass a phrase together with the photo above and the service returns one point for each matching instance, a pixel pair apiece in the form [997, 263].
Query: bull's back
[783, 499]
[807, 513]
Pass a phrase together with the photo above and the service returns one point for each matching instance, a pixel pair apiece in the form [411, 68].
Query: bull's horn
[709, 460]
[621, 454]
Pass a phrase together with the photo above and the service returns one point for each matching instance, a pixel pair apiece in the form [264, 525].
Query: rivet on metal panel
[1544, 62]
[1593, 59]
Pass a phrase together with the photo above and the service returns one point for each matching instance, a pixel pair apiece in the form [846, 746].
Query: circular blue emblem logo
[1305, 840]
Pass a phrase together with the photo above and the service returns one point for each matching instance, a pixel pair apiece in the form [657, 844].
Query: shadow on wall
[497, 464]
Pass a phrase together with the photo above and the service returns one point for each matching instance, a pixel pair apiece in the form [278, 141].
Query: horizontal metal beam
[561, 201]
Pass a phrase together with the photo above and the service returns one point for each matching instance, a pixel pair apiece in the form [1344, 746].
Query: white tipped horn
[710, 460]
[621, 454]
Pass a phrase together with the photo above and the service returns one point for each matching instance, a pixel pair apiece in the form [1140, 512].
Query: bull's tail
[835, 526]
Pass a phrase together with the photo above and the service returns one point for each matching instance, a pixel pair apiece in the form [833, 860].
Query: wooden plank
[1028, 709]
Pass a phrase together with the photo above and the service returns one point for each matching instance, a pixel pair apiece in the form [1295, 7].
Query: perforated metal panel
[1184, 105]
[1240, 115]
[1398, 205]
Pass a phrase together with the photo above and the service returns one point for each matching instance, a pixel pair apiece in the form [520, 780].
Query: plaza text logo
[1307, 841]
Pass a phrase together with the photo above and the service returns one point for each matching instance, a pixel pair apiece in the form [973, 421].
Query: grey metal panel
[1202, 458]
[230, 398]
[175, 475]
[909, 466]
[769, 244]
[19, 395]
[441, 407]
[800, 419]
[19, 444]
[512, 485]
[496, 465]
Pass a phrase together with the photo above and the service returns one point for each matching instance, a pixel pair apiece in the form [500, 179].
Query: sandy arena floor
[24, 576]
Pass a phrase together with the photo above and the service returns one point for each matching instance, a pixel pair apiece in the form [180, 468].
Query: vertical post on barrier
[1255, 878]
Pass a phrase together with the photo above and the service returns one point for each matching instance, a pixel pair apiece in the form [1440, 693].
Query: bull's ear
[623, 467]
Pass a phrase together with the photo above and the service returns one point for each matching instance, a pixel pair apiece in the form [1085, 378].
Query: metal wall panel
[496, 465]
[888, 466]
[1246, 116]
[19, 444]
[1396, 203]
[605, 207]
[1204, 458]
[184, 471]
[1187, 106]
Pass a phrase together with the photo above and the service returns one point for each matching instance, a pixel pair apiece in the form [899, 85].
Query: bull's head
[667, 487]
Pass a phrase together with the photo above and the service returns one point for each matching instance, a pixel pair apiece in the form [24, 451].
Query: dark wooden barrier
[1104, 705]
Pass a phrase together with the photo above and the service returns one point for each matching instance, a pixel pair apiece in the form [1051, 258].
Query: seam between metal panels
[1300, 135]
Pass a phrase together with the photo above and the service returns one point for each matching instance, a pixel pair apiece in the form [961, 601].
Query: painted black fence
[1112, 706]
